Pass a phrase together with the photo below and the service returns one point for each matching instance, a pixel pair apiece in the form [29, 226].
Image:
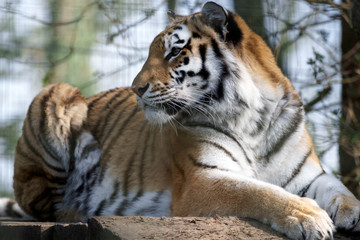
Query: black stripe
[182, 77]
[202, 50]
[72, 143]
[32, 131]
[179, 168]
[224, 73]
[58, 180]
[110, 109]
[37, 171]
[180, 41]
[260, 124]
[223, 131]
[297, 169]
[88, 149]
[150, 209]
[49, 150]
[234, 34]
[100, 207]
[186, 60]
[196, 35]
[116, 123]
[219, 95]
[89, 183]
[114, 195]
[80, 189]
[206, 98]
[221, 148]
[240, 101]
[170, 55]
[92, 170]
[126, 203]
[44, 131]
[333, 215]
[216, 49]
[130, 165]
[294, 123]
[84, 186]
[156, 199]
[203, 73]
[188, 46]
[304, 190]
[142, 162]
[178, 27]
[33, 149]
[154, 144]
[28, 143]
[95, 100]
[122, 206]
[46, 198]
[199, 164]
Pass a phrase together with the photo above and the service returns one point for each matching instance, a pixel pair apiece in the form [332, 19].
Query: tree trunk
[253, 14]
[69, 48]
[349, 140]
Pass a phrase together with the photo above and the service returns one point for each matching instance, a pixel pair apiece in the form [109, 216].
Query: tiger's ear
[216, 17]
[172, 16]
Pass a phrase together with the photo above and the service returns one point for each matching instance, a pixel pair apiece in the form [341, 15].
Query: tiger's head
[207, 64]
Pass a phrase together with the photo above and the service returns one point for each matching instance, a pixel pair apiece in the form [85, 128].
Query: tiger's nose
[140, 89]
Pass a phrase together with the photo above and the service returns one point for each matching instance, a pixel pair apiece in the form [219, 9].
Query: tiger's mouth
[171, 108]
[161, 112]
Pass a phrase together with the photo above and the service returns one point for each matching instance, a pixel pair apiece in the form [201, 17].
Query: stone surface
[13, 229]
[116, 228]
[179, 228]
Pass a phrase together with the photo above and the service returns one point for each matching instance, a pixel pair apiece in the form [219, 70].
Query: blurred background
[101, 44]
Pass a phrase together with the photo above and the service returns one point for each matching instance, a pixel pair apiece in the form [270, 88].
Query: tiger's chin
[157, 116]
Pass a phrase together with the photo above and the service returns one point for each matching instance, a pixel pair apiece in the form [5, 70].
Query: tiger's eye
[175, 51]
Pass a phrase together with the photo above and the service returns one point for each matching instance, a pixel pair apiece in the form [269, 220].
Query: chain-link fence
[101, 44]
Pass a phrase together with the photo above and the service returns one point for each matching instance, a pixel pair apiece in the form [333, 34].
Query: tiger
[210, 126]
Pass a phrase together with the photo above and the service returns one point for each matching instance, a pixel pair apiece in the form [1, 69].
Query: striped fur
[220, 130]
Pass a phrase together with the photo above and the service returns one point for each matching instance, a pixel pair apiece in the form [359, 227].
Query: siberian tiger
[220, 130]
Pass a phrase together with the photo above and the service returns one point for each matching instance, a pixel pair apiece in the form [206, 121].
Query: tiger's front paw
[345, 212]
[304, 219]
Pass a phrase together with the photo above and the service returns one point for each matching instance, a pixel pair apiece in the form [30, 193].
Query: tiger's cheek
[185, 73]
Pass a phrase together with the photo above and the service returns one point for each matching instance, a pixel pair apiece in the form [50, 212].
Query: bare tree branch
[8, 9]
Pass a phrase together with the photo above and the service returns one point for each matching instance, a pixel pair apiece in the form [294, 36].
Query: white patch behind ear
[172, 40]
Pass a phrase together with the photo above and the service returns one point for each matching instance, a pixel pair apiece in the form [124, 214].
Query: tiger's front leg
[207, 192]
[331, 195]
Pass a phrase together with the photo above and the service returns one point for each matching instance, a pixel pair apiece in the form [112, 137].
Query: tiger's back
[106, 176]
[133, 147]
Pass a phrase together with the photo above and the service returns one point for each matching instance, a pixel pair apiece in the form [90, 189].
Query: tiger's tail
[9, 208]
[44, 152]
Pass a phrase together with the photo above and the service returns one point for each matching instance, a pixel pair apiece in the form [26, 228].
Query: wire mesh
[102, 44]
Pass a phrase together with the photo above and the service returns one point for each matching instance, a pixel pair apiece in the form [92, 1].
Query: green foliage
[316, 64]
[357, 57]
[10, 133]
[357, 178]
[6, 194]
